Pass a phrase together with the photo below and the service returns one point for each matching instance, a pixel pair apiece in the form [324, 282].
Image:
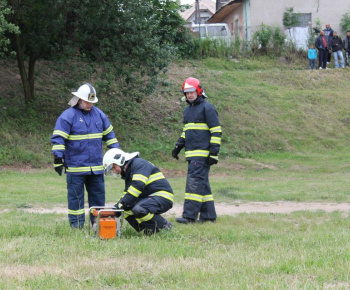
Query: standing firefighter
[77, 147]
[201, 138]
[147, 192]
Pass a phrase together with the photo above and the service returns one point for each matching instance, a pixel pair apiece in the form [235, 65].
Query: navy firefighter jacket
[143, 179]
[78, 137]
[201, 134]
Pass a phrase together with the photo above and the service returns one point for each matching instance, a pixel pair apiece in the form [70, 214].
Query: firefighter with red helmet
[201, 138]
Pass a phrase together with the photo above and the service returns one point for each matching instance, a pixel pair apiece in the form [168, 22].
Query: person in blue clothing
[312, 56]
[201, 138]
[77, 148]
[147, 193]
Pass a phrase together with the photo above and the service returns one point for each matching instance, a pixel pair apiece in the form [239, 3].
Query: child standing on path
[312, 56]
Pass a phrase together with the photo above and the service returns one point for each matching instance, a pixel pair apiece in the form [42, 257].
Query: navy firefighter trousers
[95, 188]
[198, 197]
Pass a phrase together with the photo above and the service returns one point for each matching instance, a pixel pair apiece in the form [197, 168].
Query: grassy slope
[264, 105]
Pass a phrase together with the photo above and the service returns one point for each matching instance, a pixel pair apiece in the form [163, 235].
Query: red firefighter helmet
[191, 85]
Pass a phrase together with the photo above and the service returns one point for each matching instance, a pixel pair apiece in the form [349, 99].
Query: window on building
[304, 19]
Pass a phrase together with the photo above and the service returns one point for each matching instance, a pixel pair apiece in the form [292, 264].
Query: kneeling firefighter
[147, 192]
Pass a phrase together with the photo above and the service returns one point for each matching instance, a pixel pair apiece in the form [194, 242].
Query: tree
[345, 22]
[136, 38]
[6, 28]
[290, 19]
[42, 27]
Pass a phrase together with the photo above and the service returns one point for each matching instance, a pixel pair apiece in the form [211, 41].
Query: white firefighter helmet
[85, 92]
[117, 156]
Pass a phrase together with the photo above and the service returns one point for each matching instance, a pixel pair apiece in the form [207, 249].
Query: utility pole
[197, 16]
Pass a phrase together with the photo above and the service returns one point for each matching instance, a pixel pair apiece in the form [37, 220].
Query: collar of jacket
[199, 100]
[128, 168]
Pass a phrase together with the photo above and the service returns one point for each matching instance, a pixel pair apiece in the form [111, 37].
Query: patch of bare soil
[234, 209]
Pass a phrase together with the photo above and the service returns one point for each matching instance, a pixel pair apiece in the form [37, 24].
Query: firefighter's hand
[212, 160]
[118, 206]
[176, 151]
[58, 165]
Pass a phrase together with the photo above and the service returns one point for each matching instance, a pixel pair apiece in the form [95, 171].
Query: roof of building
[224, 11]
[204, 5]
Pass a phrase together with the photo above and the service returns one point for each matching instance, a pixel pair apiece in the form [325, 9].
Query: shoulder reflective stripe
[145, 218]
[76, 212]
[140, 177]
[58, 147]
[196, 126]
[198, 153]
[216, 140]
[155, 177]
[83, 137]
[111, 141]
[198, 197]
[109, 129]
[165, 194]
[61, 133]
[215, 129]
[134, 191]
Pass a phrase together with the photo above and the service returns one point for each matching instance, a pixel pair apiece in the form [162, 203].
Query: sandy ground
[234, 209]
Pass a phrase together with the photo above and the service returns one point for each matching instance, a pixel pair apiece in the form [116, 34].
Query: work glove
[118, 205]
[58, 165]
[176, 151]
[212, 159]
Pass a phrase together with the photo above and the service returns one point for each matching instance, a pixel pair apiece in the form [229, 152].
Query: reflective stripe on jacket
[201, 134]
[143, 179]
[78, 137]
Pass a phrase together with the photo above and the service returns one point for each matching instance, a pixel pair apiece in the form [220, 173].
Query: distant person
[328, 33]
[147, 192]
[337, 45]
[77, 148]
[346, 45]
[322, 47]
[312, 56]
[201, 138]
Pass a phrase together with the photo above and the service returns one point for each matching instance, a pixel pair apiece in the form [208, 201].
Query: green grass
[264, 105]
[299, 250]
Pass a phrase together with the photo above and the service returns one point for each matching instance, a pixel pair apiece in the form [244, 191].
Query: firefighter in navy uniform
[201, 138]
[147, 192]
[77, 147]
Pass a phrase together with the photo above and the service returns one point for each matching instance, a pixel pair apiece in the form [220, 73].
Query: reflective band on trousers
[146, 218]
[199, 198]
[165, 194]
[76, 212]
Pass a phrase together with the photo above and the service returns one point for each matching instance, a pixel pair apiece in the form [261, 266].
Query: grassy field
[301, 250]
[286, 138]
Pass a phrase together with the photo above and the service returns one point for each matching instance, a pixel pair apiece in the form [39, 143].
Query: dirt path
[234, 209]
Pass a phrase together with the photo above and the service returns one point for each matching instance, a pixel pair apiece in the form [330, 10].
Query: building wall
[237, 14]
[270, 12]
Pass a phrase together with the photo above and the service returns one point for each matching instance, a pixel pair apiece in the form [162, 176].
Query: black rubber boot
[185, 220]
